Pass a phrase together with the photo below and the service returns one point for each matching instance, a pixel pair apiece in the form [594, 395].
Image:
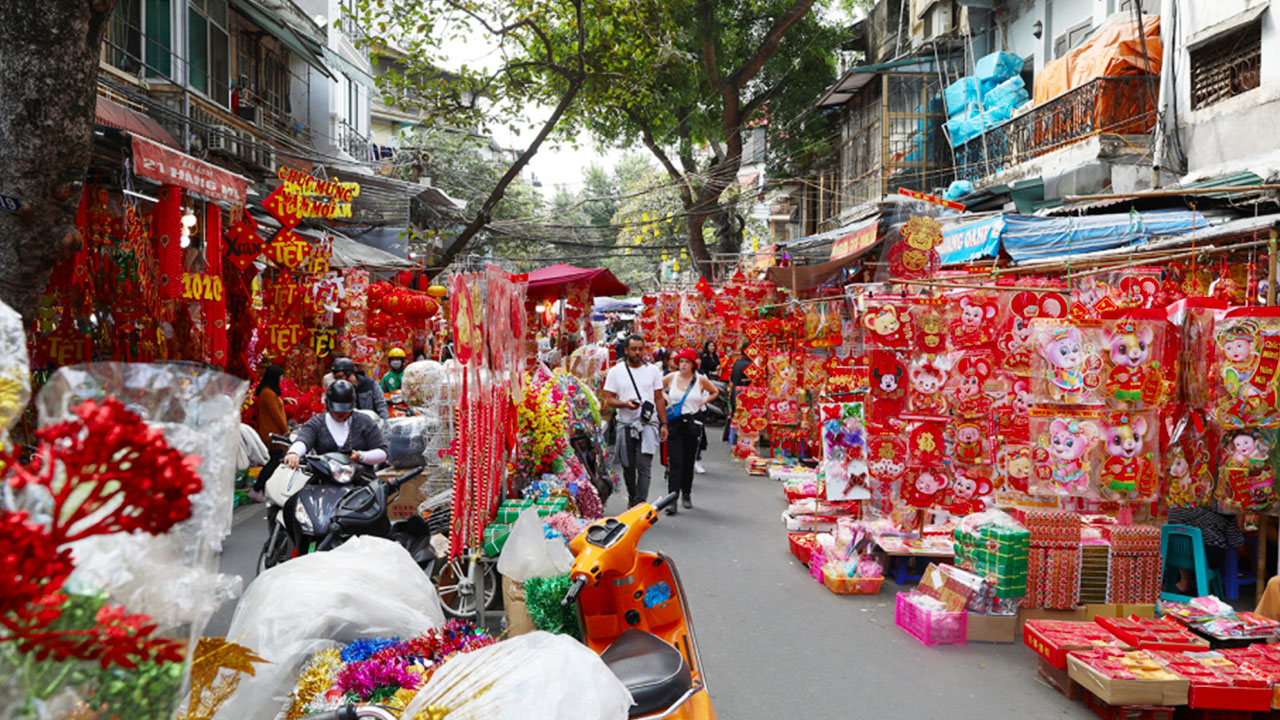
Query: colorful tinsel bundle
[379, 670]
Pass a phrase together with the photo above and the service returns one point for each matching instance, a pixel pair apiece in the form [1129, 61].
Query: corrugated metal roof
[1239, 179]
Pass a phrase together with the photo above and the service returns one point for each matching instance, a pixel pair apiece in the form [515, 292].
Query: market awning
[1239, 229]
[298, 44]
[167, 166]
[802, 278]
[113, 114]
[602, 282]
[1028, 238]
[609, 305]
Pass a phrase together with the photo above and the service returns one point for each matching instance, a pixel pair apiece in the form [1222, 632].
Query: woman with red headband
[686, 393]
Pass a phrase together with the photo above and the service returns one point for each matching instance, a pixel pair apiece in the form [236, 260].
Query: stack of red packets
[1153, 634]
[1262, 660]
[1054, 639]
[1135, 564]
[1053, 565]
[1217, 682]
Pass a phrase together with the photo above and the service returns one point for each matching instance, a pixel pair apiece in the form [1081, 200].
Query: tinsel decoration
[313, 682]
[376, 680]
[543, 596]
[365, 648]
[166, 232]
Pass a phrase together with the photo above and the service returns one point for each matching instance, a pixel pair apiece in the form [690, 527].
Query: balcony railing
[353, 143]
[351, 28]
[1110, 105]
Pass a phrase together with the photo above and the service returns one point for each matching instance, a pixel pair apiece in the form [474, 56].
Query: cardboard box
[1128, 692]
[518, 620]
[1144, 610]
[992, 628]
[1093, 611]
[406, 503]
[1026, 613]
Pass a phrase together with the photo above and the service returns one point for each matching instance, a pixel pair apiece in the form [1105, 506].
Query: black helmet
[344, 365]
[341, 396]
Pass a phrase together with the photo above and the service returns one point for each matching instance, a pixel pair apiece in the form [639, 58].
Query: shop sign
[283, 335]
[288, 249]
[167, 166]
[934, 199]
[10, 203]
[971, 241]
[767, 257]
[303, 196]
[199, 286]
[860, 239]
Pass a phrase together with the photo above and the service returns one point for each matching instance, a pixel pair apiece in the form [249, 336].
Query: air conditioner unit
[251, 113]
[939, 19]
[224, 139]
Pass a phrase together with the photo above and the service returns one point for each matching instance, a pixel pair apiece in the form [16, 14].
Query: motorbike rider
[339, 429]
[368, 395]
[391, 381]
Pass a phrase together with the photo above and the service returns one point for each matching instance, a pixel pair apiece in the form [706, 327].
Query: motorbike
[633, 613]
[329, 499]
[397, 406]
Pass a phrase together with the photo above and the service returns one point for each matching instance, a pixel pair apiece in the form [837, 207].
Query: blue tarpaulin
[1034, 238]
[971, 241]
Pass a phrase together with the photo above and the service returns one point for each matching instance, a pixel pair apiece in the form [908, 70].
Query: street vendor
[391, 381]
[339, 429]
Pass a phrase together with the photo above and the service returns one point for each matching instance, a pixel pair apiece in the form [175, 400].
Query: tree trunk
[49, 52]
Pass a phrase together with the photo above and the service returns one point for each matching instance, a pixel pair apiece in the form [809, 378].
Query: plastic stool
[1232, 577]
[1182, 548]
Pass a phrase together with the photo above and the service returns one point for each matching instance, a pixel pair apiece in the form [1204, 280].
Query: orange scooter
[633, 613]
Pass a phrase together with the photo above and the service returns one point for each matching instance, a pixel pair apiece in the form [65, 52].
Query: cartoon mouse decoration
[924, 487]
[886, 326]
[971, 439]
[928, 378]
[888, 387]
[971, 375]
[973, 326]
[968, 492]
[1061, 462]
[1133, 382]
[1071, 366]
[1128, 470]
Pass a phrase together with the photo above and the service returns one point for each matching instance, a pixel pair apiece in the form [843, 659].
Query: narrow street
[777, 644]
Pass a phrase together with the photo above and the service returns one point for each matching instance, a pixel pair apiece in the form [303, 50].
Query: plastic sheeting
[367, 587]
[1031, 238]
[1115, 50]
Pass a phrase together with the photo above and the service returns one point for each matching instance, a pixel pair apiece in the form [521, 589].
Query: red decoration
[243, 242]
[288, 249]
[214, 311]
[106, 472]
[166, 232]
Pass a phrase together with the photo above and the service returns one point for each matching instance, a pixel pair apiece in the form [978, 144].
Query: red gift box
[1219, 683]
[1052, 640]
[1153, 634]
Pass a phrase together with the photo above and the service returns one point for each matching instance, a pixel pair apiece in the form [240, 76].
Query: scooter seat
[653, 670]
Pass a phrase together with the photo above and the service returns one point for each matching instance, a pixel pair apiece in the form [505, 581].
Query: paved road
[777, 644]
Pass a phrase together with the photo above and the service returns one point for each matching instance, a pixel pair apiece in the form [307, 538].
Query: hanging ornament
[166, 232]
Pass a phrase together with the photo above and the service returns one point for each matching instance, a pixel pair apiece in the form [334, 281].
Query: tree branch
[758, 102]
[770, 43]
[507, 29]
[707, 8]
[686, 193]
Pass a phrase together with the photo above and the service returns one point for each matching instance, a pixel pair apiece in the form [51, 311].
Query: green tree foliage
[688, 78]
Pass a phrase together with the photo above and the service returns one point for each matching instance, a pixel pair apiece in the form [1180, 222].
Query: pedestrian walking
[686, 391]
[634, 390]
[737, 379]
[271, 420]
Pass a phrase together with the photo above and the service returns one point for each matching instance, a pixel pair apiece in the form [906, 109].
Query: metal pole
[1264, 520]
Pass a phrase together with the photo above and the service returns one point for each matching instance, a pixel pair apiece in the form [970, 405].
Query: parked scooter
[330, 498]
[633, 613]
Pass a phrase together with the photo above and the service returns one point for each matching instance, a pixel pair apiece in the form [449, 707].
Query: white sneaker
[697, 467]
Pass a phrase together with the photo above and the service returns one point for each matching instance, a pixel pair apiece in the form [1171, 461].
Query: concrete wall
[1238, 128]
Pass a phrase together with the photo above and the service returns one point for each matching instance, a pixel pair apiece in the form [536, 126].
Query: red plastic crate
[931, 627]
[801, 546]
[1126, 712]
[1204, 714]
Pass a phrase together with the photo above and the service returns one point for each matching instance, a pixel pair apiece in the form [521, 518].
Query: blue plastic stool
[1232, 577]
[1182, 548]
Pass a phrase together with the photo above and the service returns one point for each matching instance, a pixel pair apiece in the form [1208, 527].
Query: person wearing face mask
[339, 429]
[391, 381]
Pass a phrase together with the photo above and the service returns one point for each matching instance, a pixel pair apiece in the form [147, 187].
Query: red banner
[1268, 363]
[170, 167]
[860, 239]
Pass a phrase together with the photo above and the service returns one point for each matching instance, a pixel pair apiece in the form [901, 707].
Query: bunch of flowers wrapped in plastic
[560, 441]
[386, 671]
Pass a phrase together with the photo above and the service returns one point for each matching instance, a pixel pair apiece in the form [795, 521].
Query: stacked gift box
[1153, 634]
[1135, 564]
[495, 535]
[1217, 682]
[1053, 561]
[995, 549]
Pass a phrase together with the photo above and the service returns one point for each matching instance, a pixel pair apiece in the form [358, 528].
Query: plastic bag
[15, 381]
[528, 553]
[367, 587]
[406, 441]
[537, 676]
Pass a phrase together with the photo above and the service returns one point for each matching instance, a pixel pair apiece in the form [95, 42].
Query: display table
[900, 551]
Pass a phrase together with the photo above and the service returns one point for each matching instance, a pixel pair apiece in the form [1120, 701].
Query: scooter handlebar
[346, 712]
[578, 583]
[395, 484]
[668, 500]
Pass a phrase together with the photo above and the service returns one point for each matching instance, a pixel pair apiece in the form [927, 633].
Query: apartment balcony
[353, 143]
[250, 136]
[1115, 108]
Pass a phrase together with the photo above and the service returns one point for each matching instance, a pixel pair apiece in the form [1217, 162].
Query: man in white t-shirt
[634, 389]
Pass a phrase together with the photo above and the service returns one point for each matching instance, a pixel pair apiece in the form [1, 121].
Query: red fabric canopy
[120, 117]
[602, 282]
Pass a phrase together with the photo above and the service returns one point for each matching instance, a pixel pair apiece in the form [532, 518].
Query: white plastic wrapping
[424, 383]
[15, 382]
[529, 554]
[367, 587]
[536, 676]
